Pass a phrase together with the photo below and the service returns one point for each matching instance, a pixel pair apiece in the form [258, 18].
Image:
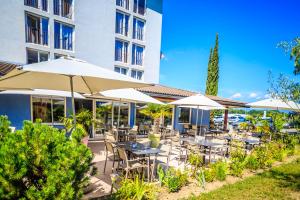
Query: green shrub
[264, 156]
[136, 190]
[40, 162]
[209, 175]
[196, 161]
[237, 164]
[172, 179]
[251, 162]
[154, 140]
[220, 169]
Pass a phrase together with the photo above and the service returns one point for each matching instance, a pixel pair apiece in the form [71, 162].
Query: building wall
[94, 33]
[205, 118]
[16, 107]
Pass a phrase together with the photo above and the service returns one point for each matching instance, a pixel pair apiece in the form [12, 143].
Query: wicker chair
[111, 154]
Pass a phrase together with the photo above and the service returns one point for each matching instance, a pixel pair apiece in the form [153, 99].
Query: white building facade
[121, 35]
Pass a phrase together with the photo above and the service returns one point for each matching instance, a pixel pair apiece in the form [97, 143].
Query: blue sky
[249, 31]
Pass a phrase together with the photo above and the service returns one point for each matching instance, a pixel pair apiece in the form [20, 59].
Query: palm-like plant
[157, 113]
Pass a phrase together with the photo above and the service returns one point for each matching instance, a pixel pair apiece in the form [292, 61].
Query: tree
[157, 112]
[40, 162]
[294, 49]
[212, 81]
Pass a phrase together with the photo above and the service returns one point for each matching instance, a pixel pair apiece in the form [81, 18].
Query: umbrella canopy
[40, 92]
[67, 74]
[56, 74]
[275, 104]
[130, 94]
[196, 100]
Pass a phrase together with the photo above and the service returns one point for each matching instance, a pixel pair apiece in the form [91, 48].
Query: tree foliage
[212, 80]
[294, 49]
[40, 162]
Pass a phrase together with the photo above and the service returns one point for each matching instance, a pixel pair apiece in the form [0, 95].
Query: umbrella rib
[86, 84]
[13, 76]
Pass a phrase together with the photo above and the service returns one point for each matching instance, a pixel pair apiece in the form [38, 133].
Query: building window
[63, 36]
[121, 70]
[123, 3]
[138, 29]
[122, 23]
[49, 110]
[36, 30]
[137, 55]
[184, 115]
[35, 56]
[32, 3]
[137, 74]
[124, 113]
[121, 51]
[63, 8]
[139, 6]
[45, 5]
[104, 114]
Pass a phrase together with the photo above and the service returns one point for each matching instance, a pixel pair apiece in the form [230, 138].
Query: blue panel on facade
[132, 114]
[16, 107]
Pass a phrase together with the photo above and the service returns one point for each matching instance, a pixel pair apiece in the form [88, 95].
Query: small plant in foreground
[172, 179]
[237, 164]
[220, 169]
[135, 189]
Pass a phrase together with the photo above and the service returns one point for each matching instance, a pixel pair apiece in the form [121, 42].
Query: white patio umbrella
[197, 101]
[67, 74]
[131, 95]
[275, 104]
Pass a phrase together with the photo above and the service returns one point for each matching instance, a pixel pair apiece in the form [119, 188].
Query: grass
[281, 182]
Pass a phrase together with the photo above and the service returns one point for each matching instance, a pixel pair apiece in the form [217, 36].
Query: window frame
[126, 4]
[136, 9]
[59, 11]
[51, 98]
[124, 54]
[190, 115]
[136, 75]
[134, 29]
[41, 27]
[124, 31]
[39, 52]
[120, 70]
[133, 54]
[61, 24]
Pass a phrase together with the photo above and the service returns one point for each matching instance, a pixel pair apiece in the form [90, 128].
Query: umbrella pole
[201, 122]
[73, 100]
[119, 110]
[196, 133]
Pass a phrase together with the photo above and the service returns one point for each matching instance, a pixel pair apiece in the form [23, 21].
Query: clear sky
[249, 31]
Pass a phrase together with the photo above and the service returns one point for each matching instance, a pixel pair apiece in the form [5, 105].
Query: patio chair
[180, 148]
[219, 150]
[132, 134]
[110, 154]
[130, 165]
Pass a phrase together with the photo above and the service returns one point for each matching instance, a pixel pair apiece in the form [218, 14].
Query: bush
[237, 164]
[172, 179]
[220, 169]
[40, 162]
[209, 175]
[196, 161]
[135, 189]
[263, 155]
[251, 162]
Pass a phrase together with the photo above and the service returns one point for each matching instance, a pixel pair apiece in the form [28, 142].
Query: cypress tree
[212, 80]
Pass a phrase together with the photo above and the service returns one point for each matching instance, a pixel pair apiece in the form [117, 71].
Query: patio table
[216, 131]
[205, 143]
[141, 150]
